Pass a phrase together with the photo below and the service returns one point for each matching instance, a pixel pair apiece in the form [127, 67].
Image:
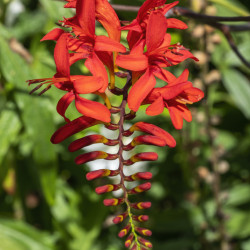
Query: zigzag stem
[120, 155]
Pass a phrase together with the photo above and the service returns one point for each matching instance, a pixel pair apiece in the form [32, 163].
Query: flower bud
[141, 205]
[100, 173]
[91, 156]
[124, 231]
[119, 218]
[145, 242]
[143, 231]
[113, 202]
[140, 218]
[141, 188]
[139, 176]
[86, 141]
[146, 156]
[107, 188]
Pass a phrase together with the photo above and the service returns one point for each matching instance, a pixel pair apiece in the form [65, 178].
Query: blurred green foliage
[45, 201]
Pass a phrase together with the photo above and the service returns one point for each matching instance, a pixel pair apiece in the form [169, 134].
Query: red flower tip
[113, 202]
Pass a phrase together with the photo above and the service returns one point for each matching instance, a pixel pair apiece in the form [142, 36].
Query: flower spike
[148, 58]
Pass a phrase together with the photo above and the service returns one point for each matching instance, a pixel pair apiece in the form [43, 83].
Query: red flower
[174, 97]
[75, 85]
[159, 54]
[137, 28]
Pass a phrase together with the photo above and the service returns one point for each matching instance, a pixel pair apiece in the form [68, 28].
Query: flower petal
[157, 24]
[64, 103]
[147, 5]
[132, 62]
[106, 15]
[174, 90]
[85, 13]
[97, 68]
[92, 109]
[87, 84]
[156, 107]
[103, 43]
[61, 56]
[140, 90]
[72, 128]
[53, 35]
[176, 24]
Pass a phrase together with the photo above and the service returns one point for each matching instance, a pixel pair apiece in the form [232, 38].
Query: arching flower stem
[120, 156]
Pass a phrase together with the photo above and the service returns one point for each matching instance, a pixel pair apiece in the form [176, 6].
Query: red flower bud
[119, 218]
[81, 159]
[139, 176]
[129, 240]
[146, 156]
[140, 218]
[107, 188]
[100, 173]
[86, 141]
[145, 242]
[113, 202]
[141, 205]
[143, 231]
[124, 231]
[141, 188]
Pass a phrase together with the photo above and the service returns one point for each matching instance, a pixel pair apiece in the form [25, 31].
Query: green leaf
[15, 235]
[238, 195]
[10, 127]
[239, 88]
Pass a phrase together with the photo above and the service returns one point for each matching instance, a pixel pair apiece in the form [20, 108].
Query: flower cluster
[146, 59]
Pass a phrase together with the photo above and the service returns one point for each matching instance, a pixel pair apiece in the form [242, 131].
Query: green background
[200, 192]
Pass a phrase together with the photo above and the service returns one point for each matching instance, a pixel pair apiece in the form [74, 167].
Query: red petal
[103, 43]
[64, 103]
[176, 24]
[169, 6]
[87, 84]
[176, 117]
[147, 5]
[92, 109]
[193, 94]
[174, 90]
[140, 90]
[106, 15]
[85, 13]
[157, 24]
[53, 35]
[134, 25]
[156, 107]
[61, 56]
[164, 75]
[132, 62]
[154, 130]
[72, 128]
[97, 68]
